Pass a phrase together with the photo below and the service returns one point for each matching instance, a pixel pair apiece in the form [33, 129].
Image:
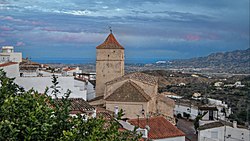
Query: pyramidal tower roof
[110, 43]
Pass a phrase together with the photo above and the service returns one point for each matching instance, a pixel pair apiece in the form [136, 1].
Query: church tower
[109, 63]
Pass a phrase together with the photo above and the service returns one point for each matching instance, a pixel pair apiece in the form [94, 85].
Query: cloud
[2, 40]
[6, 28]
[67, 37]
[176, 25]
[191, 37]
[17, 20]
[20, 43]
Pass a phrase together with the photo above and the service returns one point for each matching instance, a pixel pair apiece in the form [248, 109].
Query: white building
[184, 108]
[8, 55]
[223, 109]
[223, 131]
[238, 84]
[11, 69]
[171, 95]
[197, 96]
[71, 71]
[218, 84]
[78, 88]
[181, 84]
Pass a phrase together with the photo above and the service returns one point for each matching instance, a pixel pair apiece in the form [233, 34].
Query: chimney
[116, 111]
[234, 124]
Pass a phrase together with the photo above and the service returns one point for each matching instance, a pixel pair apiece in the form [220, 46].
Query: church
[135, 93]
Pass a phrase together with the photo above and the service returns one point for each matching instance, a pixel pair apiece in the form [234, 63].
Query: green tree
[28, 115]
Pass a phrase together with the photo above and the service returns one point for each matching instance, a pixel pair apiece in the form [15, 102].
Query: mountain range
[237, 61]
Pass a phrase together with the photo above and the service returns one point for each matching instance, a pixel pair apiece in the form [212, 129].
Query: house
[186, 108]
[79, 106]
[209, 114]
[79, 89]
[238, 84]
[71, 71]
[29, 68]
[171, 95]
[8, 55]
[223, 109]
[181, 84]
[223, 131]
[197, 96]
[218, 84]
[157, 129]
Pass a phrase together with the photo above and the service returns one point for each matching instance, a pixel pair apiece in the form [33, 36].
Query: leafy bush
[28, 115]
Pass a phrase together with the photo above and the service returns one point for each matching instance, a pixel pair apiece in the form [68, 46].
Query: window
[211, 115]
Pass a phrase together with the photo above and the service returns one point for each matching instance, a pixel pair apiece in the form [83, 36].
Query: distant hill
[234, 62]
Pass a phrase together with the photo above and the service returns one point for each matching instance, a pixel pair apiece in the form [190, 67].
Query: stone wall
[165, 106]
[109, 65]
[131, 109]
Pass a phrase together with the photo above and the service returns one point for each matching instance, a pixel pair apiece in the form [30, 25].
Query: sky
[148, 29]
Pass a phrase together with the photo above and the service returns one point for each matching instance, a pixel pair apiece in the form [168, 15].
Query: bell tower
[109, 62]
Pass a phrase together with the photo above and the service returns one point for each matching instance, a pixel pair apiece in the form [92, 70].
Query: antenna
[110, 29]
[138, 120]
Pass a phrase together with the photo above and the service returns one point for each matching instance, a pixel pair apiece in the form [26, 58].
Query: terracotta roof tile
[78, 105]
[110, 43]
[69, 69]
[104, 113]
[129, 92]
[159, 127]
[166, 100]
[142, 77]
[8, 64]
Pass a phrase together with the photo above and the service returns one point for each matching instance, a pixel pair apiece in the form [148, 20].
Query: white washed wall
[11, 70]
[181, 109]
[40, 83]
[230, 133]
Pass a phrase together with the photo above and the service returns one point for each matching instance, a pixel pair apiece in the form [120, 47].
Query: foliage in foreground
[28, 115]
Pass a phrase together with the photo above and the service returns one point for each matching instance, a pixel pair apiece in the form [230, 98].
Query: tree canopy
[28, 115]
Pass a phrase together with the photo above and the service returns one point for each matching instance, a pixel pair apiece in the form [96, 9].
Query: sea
[92, 60]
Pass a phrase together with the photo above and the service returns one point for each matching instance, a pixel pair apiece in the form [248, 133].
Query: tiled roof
[28, 65]
[68, 69]
[129, 92]
[218, 124]
[142, 77]
[7, 64]
[166, 100]
[28, 62]
[96, 98]
[160, 128]
[110, 43]
[104, 113]
[78, 105]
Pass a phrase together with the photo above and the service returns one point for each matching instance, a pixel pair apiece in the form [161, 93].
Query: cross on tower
[110, 29]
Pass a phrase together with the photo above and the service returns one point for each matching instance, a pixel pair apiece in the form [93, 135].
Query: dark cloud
[163, 28]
